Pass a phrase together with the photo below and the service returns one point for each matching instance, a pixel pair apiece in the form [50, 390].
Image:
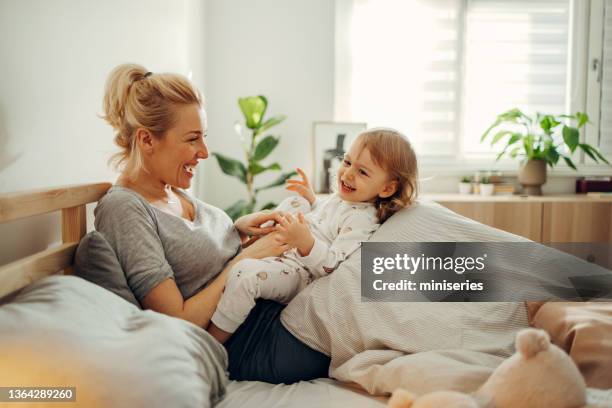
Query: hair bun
[117, 92]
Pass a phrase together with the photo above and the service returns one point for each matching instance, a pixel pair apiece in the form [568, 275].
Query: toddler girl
[376, 179]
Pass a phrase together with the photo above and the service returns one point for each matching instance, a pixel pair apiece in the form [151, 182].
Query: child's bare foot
[221, 335]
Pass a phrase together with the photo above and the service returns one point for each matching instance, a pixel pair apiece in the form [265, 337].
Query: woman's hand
[296, 233]
[302, 187]
[266, 246]
[250, 224]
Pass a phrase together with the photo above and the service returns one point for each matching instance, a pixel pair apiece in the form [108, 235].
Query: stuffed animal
[538, 375]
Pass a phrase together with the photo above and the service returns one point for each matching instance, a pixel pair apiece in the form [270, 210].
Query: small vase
[486, 189]
[532, 175]
[465, 188]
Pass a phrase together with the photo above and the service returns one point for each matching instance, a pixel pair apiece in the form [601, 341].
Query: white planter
[465, 188]
[486, 189]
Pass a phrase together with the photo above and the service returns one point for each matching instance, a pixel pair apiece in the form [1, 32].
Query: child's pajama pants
[277, 279]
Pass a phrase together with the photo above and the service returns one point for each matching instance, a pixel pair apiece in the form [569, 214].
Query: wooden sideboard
[558, 218]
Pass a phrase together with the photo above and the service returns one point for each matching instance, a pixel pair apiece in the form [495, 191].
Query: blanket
[419, 346]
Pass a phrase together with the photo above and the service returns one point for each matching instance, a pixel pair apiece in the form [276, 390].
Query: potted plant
[539, 141]
[465, 185]
[486, 187]
[256, 148]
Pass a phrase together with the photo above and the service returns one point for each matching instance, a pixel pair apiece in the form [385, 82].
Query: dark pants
[263, 350]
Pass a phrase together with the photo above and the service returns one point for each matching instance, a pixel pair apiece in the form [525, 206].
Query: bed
[61, 330]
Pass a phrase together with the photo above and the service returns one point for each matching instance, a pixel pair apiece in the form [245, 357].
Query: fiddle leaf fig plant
[256, 149]
[541, 137]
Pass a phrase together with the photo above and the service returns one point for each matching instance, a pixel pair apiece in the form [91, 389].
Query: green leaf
[270, 123]
[548, 123]
[500, 155]
[231, 167]
[593, 153]
[256, 168]
[571, 137]
[264, 147]
[515, 138]
[551, 156]
[512, 115]
[268, 206]
[582, 118]
[494, 125]
[514, 152]
[545, 124]
[569, 162]
[499, 135]
[278, 182]
[601, 157]
[588, 150]
[528, 145]
[253, 108]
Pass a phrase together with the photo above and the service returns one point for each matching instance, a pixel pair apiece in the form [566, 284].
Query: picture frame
[327, 148]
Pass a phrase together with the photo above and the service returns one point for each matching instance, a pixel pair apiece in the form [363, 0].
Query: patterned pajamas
[338, 228]
[250, 279]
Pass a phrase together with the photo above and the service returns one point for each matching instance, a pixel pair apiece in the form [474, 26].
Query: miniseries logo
[484, 272]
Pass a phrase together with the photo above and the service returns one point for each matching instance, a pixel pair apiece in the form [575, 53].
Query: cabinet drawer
[577, 222]
[520, 218]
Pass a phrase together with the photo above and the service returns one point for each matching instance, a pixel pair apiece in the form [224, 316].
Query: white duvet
[419, 346]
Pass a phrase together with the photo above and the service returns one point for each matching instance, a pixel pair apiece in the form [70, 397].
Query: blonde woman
[175, 250]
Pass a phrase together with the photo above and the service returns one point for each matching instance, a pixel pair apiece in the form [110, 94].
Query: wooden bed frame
[71, 200]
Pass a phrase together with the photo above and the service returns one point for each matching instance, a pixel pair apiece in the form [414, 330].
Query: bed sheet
[322, 393]
[326, 392]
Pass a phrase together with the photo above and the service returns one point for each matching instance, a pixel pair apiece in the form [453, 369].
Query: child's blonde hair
[136, 98]
[392, 151]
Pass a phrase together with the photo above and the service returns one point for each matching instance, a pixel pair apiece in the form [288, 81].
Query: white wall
[55, 59]
[283, 49]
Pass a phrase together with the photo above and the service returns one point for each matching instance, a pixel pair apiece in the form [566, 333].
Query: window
[600, 76]
[441, 70]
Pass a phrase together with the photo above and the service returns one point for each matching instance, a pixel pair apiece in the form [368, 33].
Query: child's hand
[295, 233]
[302, 187]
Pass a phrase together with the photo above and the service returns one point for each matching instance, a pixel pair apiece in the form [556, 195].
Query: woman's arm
[249, 225]
[198, 309]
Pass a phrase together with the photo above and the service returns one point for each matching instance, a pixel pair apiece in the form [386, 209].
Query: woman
[175, 250]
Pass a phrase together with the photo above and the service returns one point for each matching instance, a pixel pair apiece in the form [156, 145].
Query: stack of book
[503, 185]
[593, 185]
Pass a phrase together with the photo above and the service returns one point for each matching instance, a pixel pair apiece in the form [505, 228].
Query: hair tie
[148, 74]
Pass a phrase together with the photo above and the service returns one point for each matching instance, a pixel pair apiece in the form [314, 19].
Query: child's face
[360, 179]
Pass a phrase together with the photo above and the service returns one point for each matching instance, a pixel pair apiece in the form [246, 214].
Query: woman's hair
[392, 151]
[136, 98]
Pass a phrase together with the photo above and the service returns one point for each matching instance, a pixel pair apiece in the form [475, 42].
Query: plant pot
[465, 188]
[532, 175]
[486, 189]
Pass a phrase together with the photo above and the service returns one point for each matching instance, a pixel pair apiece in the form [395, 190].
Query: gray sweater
[153, 245]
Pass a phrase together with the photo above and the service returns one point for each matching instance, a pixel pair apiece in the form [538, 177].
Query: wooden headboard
[71, 200]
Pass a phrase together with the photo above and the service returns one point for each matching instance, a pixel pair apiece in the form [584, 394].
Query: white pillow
[66, 331]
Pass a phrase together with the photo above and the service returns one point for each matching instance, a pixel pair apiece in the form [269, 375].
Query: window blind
[605, 121]
[516, 56]
[405, 61]
[441, 70]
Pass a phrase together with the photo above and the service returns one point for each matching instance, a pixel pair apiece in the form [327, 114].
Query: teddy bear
[539, 374]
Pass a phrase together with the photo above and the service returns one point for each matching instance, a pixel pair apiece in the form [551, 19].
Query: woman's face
[174, 157]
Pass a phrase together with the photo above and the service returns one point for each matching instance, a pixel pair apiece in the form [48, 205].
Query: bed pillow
[584, 331]
[428, 221]
[96, 262]
[66, 331]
